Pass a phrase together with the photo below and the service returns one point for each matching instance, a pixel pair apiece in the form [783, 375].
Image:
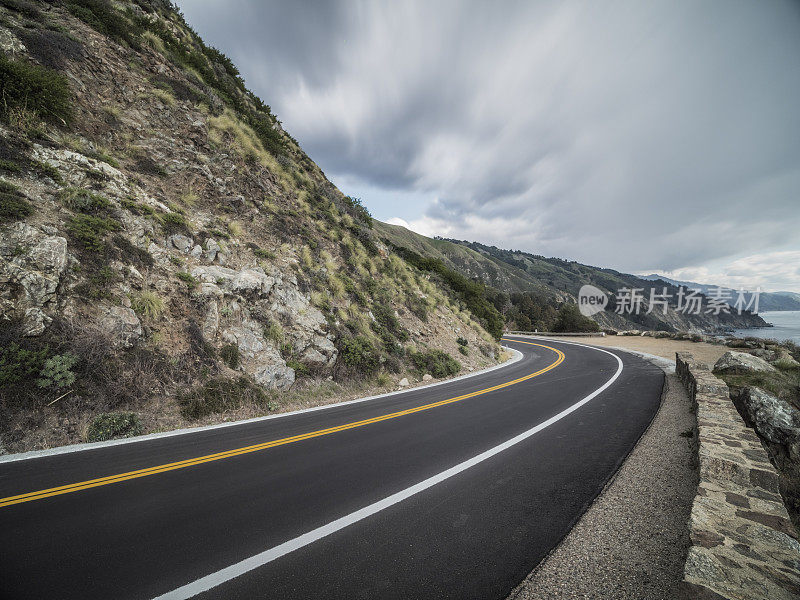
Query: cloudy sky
[643, 136]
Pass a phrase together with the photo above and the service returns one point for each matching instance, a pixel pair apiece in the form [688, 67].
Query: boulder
[212, 249]
[249, 343]
[768, 355]
[274, 376]
[742, 363]
[32, 266]
[427, 377]
[121, 325]
[180, 242]
[35, 322]
[403, 382]
[773, 419]
[211, 321]
[251, 281]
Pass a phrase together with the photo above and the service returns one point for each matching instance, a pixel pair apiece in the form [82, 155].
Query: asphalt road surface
[455, 491]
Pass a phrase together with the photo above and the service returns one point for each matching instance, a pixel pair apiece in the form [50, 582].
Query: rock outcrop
[742, 363]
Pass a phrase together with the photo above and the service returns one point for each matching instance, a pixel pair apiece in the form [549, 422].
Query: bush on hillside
[359, 354]
[220, 395]
[29, 88]
[437, 363]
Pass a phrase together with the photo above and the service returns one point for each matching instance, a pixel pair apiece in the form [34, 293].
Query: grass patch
[114, 425]
[83, 200]
[782, 384]
[148, 305]
[190, 281]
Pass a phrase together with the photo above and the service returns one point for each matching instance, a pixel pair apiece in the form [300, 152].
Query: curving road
[452, 491]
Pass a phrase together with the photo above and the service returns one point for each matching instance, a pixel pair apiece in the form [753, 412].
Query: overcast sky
[642, 136]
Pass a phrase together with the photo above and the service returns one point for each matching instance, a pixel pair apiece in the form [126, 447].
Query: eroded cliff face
[169, 235]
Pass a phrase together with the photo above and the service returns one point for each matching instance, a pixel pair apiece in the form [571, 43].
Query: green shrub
[174, 223]
[14, 206]
[18, 364]
[104, 18]
[56, 372]
[114, 425]
[219, 395]
[359, 354]
[132, 255]
[462, 341]
[188, 279]
[261, 253]
[24, 8]
[230, 355]
[437, 363]
[90, 231]
[38, 90]
[51, 48]
[300, 370]
[463, 350]
[571, 320]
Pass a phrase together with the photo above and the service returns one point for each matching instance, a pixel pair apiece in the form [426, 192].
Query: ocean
[786, 326]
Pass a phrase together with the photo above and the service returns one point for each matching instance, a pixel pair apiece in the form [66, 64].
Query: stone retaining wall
[743, 544]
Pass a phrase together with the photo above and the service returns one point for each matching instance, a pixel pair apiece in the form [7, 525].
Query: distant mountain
[766, 301]
[549, 283]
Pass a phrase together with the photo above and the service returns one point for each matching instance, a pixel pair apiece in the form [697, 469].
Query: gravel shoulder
[632, 542]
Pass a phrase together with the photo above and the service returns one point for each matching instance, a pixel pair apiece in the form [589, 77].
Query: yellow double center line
[84, 485]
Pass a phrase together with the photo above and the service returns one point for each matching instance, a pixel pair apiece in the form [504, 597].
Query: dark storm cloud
[639, 136]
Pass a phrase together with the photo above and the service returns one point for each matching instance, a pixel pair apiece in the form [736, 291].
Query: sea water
[786, 326]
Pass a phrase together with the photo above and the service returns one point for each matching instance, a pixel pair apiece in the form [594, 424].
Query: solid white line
[516, 357]
[213, 580]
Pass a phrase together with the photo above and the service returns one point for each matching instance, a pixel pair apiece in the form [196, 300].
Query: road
[455, 491]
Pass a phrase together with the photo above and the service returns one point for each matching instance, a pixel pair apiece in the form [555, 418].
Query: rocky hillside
[532, 288]
[169, 252]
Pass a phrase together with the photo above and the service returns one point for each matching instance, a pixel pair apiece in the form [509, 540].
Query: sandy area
[703, 352]
[631, 543]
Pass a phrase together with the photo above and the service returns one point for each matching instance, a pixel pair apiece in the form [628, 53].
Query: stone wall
[743, 543]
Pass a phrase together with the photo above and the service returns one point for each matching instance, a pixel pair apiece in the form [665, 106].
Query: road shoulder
[633, 539]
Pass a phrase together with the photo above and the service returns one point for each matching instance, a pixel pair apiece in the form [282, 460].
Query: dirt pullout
[702, 352]
[633, 540]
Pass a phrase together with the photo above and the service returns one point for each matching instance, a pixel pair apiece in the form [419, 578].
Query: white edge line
[214, 579]
[7, 458]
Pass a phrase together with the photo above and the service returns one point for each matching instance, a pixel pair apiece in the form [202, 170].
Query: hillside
[171, 256]
[536, 286]
[767, 300]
